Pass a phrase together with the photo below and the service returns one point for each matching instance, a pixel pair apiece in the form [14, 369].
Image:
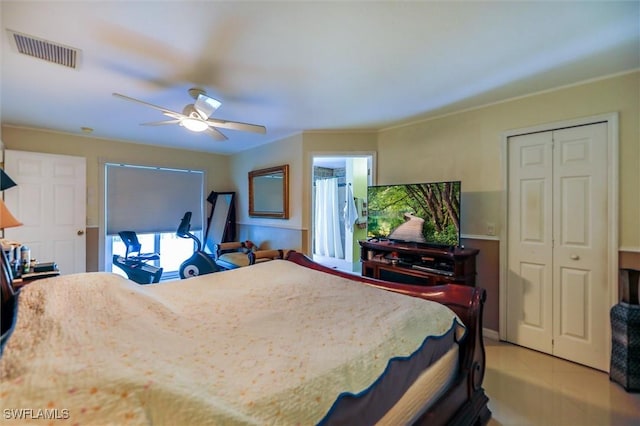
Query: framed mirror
[221, 223]
[269, 192]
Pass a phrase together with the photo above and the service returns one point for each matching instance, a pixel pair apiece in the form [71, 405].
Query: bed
[281, 342]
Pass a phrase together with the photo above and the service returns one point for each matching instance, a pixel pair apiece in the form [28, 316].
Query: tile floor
[526, 387]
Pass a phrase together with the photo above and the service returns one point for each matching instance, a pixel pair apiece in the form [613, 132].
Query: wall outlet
[491, 228]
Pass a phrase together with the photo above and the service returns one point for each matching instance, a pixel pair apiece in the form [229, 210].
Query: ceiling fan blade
[236, 125]
[174, 115]
[216, 134]
[161, 123]
[206, 105]
[159, 108]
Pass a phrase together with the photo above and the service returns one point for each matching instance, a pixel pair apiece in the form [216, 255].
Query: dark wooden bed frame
[464, 403]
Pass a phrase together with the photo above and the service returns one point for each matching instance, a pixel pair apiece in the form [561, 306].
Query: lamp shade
[5, 181]
[7, 220]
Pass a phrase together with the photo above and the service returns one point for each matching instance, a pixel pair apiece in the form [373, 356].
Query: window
[172, 249]
[151, 201]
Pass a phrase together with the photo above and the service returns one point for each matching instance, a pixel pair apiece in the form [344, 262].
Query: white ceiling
[295, 66]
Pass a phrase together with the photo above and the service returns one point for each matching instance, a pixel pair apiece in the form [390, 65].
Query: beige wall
[296, 151]
[467, 146]
[286, 151]
[270, 233]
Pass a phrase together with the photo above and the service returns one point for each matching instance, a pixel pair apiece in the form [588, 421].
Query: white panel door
[50, 201]
[530, 260]
[581, 292]
[557, 290]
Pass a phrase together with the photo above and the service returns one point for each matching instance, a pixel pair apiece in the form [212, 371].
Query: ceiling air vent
[46, 50]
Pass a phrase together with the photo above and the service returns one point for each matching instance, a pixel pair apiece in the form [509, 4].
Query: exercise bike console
[200, 263]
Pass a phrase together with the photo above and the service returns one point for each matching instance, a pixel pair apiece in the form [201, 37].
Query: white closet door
[580, 292]
[529, 293]
[557, 291]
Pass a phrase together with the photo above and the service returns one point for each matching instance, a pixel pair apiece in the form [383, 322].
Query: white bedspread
[274, 343]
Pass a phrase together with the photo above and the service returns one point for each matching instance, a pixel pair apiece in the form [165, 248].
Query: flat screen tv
[426, 213]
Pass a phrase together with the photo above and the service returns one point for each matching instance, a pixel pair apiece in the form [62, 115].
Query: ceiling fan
[197, 116]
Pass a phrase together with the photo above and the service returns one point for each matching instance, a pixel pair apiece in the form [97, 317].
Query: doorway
[338, 214]
[560, 254]
[50, 201]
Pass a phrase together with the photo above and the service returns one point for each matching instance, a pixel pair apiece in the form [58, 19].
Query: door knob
[575, 257]
[81, 232]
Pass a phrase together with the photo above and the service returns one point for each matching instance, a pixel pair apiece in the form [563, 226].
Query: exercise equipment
[200, 263]
[134, 263]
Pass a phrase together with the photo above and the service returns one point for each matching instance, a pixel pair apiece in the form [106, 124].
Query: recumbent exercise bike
[134, 263]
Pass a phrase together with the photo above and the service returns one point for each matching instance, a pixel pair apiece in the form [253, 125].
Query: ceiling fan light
[194, 124]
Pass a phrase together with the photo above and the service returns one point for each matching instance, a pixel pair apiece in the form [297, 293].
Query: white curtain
[327, 219]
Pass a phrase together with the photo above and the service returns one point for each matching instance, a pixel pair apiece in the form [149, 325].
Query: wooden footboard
[7, 299]
[465, 402]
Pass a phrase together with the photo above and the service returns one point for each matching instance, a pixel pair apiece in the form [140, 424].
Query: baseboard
[490, 334]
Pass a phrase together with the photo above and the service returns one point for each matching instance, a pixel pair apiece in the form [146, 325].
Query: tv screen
[427, 213]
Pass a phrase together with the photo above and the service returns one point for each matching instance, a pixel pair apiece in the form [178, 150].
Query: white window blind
[150, 199]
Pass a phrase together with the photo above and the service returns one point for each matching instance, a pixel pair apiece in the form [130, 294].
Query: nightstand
[25, 279]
